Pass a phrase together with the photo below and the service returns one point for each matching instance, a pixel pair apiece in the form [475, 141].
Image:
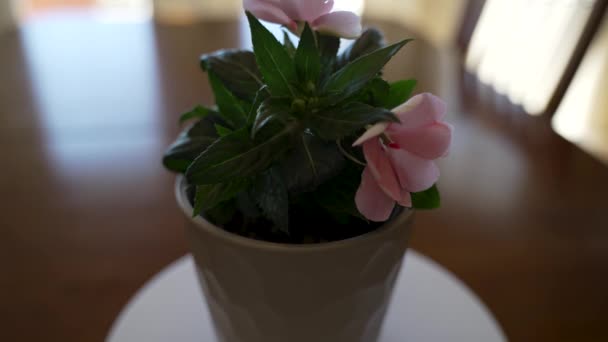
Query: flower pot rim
[210, 228]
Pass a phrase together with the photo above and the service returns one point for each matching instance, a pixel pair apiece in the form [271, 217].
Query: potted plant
[300, 183]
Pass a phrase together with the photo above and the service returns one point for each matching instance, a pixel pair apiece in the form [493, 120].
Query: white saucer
[429, 305]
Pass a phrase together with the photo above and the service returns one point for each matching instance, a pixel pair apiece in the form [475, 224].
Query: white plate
[429, 304]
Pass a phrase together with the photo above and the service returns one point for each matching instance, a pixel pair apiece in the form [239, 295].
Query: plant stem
[348, 155]
[310, 160]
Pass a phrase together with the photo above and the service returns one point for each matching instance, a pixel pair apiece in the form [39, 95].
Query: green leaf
[400, 92]
[191, 143]
[197, 112]
[371, 40]
[229, 106]
[312, 162]
[355, 75]
[237, 156]
[429, 199]
[210, 195]
[273, 60]
[271, 195]
[338, 122]
[269, 110]
[237, 70]
[337, 195]
[307, 58]
[291, 49]
[260, 97]
[222, 131]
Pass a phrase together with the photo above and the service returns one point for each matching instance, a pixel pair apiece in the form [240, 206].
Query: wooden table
[88, 214]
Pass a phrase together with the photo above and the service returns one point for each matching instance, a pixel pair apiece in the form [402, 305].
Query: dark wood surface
[88, 214]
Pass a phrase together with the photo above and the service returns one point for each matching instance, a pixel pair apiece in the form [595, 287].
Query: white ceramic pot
[266, 292]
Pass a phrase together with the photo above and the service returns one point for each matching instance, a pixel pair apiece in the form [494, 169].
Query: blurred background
[91, 91]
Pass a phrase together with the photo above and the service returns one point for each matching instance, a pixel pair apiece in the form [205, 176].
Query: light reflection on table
[77, 63]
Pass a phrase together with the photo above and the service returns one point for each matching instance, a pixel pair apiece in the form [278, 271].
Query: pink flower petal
[420, 110]
[430, 141]
[380, 166]
[371, 201]
[341, 23]
[269, 10]
[307, 10]
[406, 199]
[415, 174]
[451, 128]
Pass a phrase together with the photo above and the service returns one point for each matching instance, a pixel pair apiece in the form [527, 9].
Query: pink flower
[315, 12]
[400, 157]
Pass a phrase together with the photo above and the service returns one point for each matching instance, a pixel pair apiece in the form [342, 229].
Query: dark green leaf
[206, 126]
[191, 143]
[307, 58]
[312, 162]
[210, 195]
[337, 122]
[269, 110]
[197, 112]
[271, 195]
[337, 195]
[355, 75]
[247, 205]
[229, 106]
[237, 156]
[376, 93]
[291, 49]
[328, 47]
[371, 40]
[222, 213]
[274, 62]
[183, 151]
[400, 92]
[237, 70]
[429, 199]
